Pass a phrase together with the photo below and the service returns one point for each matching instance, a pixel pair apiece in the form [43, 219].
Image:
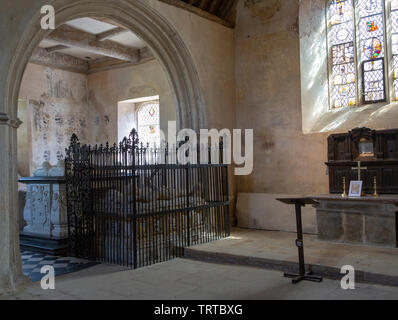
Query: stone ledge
[287, 266]
[37, 243]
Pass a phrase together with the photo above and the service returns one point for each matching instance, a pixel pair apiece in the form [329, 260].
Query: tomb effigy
[45, 210]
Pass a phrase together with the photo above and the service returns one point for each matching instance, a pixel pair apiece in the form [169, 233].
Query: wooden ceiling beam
[58, 60]
[71, 37]
[104, 64]
[191, 7]
[56, 48]
[111, 33]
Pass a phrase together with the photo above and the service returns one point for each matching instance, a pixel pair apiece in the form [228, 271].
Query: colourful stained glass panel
[370, 7]
[373, 73]
[341, 39]
[340, 12]
[372, 32]
[343, 53]
[148, 124]
[394, 43]
[371, 36]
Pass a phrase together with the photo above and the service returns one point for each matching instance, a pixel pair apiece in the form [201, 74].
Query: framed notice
[355, 189]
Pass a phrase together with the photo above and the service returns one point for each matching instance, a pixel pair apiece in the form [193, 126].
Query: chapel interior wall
[268, 99]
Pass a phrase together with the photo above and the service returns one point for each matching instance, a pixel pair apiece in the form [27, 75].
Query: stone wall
[286, 161]
[108, 88]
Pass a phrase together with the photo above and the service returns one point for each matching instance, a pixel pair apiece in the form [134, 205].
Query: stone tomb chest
[45, 211]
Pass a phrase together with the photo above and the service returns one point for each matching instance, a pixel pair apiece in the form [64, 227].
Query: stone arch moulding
[146, 23]
[161, 38]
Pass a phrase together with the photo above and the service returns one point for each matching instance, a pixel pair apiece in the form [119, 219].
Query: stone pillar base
[50, 246]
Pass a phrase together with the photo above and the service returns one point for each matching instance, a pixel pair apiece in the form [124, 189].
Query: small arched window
[148, 123]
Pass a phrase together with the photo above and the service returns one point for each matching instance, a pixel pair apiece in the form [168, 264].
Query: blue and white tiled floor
[32, 263]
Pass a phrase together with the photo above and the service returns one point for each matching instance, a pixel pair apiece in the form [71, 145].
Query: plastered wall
[56, 107]
[59, 103]
[268, 99]
[108, 88]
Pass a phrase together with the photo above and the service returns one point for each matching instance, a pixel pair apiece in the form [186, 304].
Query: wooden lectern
[302, 275]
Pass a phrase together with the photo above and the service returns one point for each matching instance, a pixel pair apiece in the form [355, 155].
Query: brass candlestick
[375, 194]
[344, 195]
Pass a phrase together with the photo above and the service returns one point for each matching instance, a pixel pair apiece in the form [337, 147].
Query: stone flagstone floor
[280, 246]
[192, 280]
[199, 280]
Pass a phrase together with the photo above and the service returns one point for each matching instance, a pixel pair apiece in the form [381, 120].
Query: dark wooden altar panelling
[344, 152]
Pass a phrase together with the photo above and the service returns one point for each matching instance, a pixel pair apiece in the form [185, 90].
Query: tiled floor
[33, 262]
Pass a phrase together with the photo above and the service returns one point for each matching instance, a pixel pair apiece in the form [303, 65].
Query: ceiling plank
[111, 33]
[215, 5]
[58, 60]
[199, 12]
[56, 48]
[68, 36]
[227, 9]
[204, 4]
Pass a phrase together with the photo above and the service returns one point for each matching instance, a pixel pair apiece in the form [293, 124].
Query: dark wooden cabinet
[377, 150]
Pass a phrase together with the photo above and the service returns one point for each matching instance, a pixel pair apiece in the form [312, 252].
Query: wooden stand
[302, 275]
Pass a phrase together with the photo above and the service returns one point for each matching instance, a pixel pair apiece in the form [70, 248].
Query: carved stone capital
[6, 120]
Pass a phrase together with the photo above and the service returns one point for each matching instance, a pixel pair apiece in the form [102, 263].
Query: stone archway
[166, 45]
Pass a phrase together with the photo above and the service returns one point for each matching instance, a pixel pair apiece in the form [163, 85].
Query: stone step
[55, 247]
[329, 272]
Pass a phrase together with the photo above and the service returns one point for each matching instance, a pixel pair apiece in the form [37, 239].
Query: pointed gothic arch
[161, 38]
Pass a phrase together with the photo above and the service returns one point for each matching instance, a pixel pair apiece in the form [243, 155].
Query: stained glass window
[372, 50]
[149, 123]
[341, 37]
[356, 38]
[394, 43]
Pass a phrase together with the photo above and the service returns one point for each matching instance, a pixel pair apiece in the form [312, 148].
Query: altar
[365, 220]
[367, 160]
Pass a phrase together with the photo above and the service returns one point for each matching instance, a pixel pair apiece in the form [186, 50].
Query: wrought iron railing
[134, 206]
